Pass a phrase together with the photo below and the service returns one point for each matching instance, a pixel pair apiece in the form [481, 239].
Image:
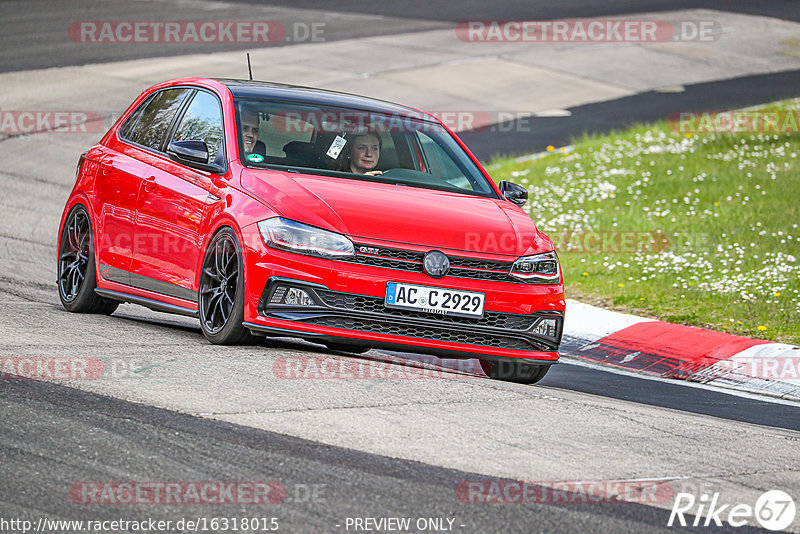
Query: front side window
[202, 122]
[398, 149]
[440, 164]
[154, 121]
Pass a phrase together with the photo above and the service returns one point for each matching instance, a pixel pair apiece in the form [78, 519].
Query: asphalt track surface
[540, 10]
[534, 134]
[52, 435]
[677, 395]
[34, 34]
[108, 437]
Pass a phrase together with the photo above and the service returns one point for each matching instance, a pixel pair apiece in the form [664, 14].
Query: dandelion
[620, 285]
[550, 148]
[585, 274]
[762, 328]
[778, 294]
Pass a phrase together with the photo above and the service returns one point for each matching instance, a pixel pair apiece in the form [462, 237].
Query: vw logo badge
[436, 264]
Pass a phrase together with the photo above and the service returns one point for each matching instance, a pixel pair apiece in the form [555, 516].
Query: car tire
[511, 371]
[77, 276]
[221, 291]
[346, 347]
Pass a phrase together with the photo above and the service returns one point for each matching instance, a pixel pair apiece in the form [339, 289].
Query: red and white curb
[681, 352]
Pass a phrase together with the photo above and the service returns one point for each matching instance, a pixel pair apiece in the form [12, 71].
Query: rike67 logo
[774, 510]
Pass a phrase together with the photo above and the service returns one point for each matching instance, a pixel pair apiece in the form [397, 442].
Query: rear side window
[126, 130]
[202, 122]
[154, 121]
[281, 131]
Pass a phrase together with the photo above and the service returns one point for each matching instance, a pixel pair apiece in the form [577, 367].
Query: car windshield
[362, 145]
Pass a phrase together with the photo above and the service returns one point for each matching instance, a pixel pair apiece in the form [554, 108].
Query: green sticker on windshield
[255, 158]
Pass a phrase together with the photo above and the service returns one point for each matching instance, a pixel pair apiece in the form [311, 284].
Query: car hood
[397, 213]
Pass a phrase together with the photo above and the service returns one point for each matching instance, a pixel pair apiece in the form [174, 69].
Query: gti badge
[436, 264]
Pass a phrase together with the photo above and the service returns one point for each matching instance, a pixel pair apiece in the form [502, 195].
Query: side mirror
[194, 154]
[514, 193]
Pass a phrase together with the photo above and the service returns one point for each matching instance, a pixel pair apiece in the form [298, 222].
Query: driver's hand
[373, 173]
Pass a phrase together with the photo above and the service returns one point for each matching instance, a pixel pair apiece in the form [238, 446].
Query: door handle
[149, 183]
[106, 167]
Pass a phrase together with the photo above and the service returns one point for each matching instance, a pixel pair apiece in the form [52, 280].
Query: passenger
[250, 127]
[365, 152]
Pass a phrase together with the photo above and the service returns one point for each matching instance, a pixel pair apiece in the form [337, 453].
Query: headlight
[302, 238]
[538, 269]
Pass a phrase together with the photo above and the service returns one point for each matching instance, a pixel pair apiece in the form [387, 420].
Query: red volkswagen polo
[276, 210]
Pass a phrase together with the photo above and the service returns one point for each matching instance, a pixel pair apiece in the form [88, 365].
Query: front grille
[470, 263]
[482, 275]
[361, 303]
[385, 262]
[409, 260]
[422, 332]
[395, 253]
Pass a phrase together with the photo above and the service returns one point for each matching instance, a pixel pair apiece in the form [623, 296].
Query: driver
[365, 152]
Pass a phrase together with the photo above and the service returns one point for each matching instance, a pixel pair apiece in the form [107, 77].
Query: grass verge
[699, 229]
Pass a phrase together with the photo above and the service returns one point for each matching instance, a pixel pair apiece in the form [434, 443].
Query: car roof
[310, 95]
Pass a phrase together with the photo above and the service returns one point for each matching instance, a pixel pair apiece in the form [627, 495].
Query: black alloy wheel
[221, 298]
[76, 271]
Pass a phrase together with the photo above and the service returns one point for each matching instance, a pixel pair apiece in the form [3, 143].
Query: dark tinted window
[127, 127]
[410, 148]
[202, 122]
[440, 164]
[157, 117]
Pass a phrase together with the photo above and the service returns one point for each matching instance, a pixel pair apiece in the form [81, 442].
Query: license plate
[435, 300]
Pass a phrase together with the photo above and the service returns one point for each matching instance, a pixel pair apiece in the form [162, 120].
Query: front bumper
[348, 307]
